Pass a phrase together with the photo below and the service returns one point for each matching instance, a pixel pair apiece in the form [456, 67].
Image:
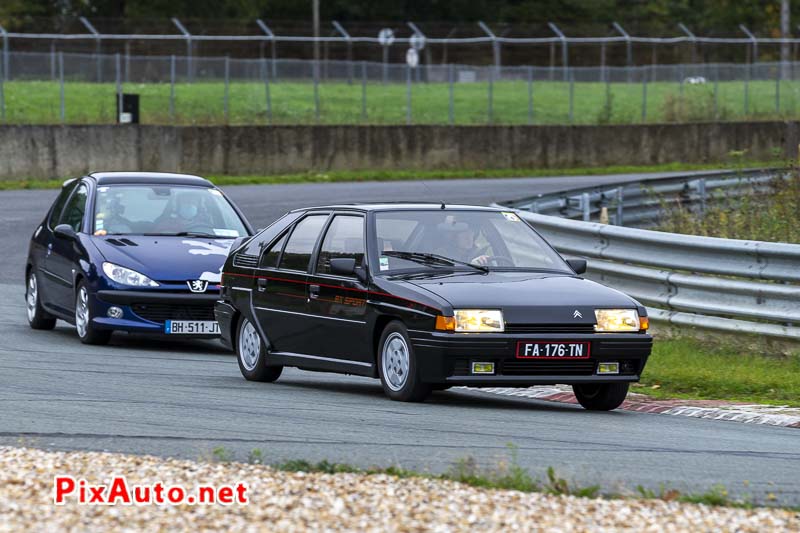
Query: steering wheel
[501, 260]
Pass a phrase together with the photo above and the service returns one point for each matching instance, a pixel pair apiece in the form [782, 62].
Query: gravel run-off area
[292, 501]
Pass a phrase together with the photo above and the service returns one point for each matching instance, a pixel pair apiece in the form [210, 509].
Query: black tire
[38, 318]
[601, 396]
[87, 332]
[251, 354]
[403, 382]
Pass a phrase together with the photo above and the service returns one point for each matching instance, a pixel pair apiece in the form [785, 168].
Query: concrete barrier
[39, 152]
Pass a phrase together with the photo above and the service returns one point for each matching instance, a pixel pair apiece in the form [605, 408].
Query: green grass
[722, 370]
[38, 102]
[402, 175]
[504, 474]
[761, 215]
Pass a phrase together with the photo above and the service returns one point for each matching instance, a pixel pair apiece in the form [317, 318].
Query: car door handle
[313, 292]
[261, 284]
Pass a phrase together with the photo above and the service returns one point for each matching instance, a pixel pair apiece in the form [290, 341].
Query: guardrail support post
[586, 207]
[620, 206]
[701, 189]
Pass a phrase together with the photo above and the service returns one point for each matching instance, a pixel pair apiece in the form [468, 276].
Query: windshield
[488, 240]
[165, 210]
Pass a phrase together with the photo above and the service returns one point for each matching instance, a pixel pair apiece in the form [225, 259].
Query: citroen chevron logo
[577, 314]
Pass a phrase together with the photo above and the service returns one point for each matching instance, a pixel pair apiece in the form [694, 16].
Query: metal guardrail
[720, 284]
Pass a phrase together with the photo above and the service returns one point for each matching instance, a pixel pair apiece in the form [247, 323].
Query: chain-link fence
[85, 88]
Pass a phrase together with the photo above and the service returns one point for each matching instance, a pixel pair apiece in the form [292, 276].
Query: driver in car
[186, 215]
[462, 245]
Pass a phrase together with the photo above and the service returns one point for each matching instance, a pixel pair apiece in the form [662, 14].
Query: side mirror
[346, 266]
[343, 266]
[65, 231]
[578, 265]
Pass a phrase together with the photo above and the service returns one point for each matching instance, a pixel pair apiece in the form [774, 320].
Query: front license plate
[191, 327]
[552, 350]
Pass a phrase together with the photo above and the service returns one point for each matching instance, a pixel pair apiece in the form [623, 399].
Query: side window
[75, 208]
[345, 238]
[58, 206]
[297, 253]
[269, 259]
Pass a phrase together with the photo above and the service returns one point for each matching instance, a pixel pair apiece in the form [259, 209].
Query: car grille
[549, 328]
[156, 312]
[245, 261]
[541, 368]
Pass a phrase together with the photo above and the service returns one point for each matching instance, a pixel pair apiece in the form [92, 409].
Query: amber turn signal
[446, 323]
[644, 323]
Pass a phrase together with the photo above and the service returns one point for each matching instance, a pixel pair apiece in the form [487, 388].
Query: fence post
[571, 96]
[644, 94]
[408, 95]
[118, 80]
[6, 55]
[364, 91]
[716, 91]
[172, 88]
[316, 91]
[490, 103]
[53, 70]
[778, 91]
[451, 103]
[2, 92]
[227, 83]
[747, 91]
[127, 61]
[530, 95]
[266, 91]
[61, 86]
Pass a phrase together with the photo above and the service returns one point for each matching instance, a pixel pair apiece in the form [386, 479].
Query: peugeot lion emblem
[198, 285]
[577, 314]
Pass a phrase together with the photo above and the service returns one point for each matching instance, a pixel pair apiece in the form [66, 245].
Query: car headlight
[616, 320]
[126, 276]
[476, 320]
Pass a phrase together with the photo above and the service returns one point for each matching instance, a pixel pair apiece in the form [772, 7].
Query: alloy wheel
[249, 345]
[82, 312]
[395, 361]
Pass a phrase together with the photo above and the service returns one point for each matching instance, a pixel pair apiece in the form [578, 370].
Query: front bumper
[147, 311]
[448, 357]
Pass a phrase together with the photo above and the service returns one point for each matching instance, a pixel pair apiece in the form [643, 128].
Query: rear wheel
[601, 396]
[38, 318]
[251, 353]
[88, 333]
[397, 366]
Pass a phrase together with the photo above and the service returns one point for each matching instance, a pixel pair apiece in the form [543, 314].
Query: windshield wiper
[188, 234]
[428, 258]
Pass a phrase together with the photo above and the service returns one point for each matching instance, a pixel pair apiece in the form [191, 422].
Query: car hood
[527, 298]
[167, 258]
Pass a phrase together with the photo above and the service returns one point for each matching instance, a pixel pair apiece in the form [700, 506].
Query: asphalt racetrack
[184, 398]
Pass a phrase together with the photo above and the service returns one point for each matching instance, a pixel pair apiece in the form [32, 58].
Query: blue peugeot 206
[131, 251]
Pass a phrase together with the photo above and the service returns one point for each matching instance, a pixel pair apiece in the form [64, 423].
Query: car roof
[165, 178]
[400, 206]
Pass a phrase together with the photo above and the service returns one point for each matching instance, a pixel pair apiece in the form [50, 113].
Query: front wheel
[87, 332]
[38, 318]
[601, 396]
[251, 353]
[397, 366]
